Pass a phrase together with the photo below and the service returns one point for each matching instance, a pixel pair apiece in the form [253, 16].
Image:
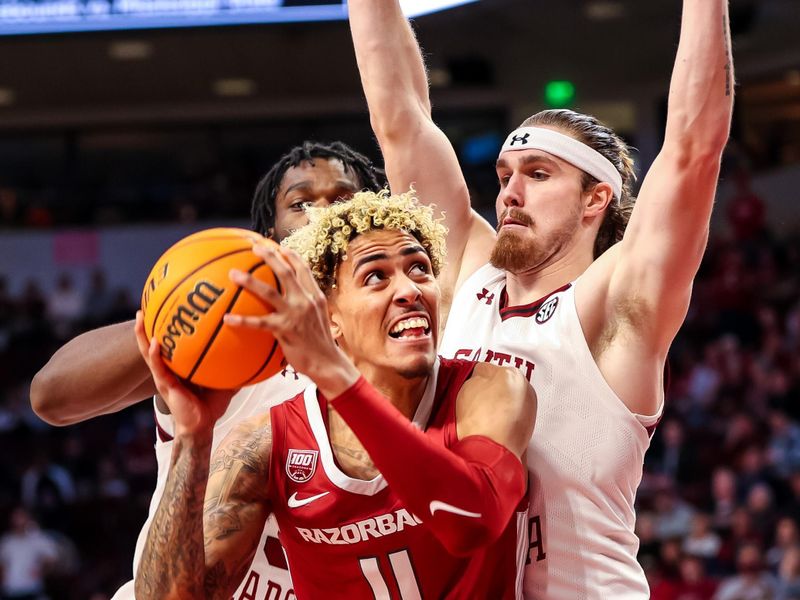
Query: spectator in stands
[99, 300]
[789, 575]
[65, 306]
[694, 583]
[753, 581]
[26, 554]
[46, 487]
[787, 537]
[761, 506]
[784, 445]
[702, 541]
[723, 491]
[746, 211]
[673, 514]
[672, 456]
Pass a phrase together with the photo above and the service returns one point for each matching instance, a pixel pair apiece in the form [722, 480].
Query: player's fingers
[283, 270]
[260, 289]
[164, 378]
[304, 275]
[270, 322]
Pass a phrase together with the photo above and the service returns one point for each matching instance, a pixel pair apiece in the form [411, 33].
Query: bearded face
[523, 245]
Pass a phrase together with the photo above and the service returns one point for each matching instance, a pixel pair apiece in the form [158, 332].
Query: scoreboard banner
[55, 16]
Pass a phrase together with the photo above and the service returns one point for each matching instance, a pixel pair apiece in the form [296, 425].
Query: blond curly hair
[323, 242]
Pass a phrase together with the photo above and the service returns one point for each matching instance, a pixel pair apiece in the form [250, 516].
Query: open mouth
[410, 328]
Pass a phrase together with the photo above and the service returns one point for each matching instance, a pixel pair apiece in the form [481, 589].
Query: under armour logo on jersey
[547, 310]
[301, 464]
[288, 370]
[485, 295]
[520, 139]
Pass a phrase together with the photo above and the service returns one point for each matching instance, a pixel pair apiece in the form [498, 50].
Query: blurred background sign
[56, 16]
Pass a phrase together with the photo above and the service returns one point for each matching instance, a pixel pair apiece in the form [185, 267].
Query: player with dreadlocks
[101, 371]
[335, 163]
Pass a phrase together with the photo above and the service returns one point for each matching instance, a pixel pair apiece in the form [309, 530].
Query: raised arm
[665, 240]
[207, 526]
[96, 373]
[416, 152]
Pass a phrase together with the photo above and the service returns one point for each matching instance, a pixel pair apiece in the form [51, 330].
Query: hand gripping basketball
[300, 320]
[183, 302]
[195, 409]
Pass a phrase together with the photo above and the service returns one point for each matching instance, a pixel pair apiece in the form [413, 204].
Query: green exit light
[559, 94]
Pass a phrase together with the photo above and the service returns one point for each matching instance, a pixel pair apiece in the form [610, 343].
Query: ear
[334, 318]
[598, 199]
[270, 233]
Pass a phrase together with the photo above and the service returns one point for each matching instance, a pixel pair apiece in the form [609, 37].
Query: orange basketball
[187, 294]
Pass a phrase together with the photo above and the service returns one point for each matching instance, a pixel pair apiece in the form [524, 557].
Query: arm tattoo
[177, 549]
[173, 554]
[355, 462]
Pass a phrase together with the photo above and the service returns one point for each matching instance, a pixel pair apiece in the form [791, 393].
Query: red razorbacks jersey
[355, 539]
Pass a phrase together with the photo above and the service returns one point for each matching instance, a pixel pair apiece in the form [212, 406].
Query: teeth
[412, 323]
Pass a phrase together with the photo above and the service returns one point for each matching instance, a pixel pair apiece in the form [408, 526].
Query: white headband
[569, 149]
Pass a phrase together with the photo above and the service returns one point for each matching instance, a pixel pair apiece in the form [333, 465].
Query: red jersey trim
[525, 310]
[160, 431]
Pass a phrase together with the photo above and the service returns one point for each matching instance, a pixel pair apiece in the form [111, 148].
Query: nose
[512, 194]
[406, 291]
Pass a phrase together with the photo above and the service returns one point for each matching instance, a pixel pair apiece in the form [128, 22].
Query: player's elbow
[46, 400]
[398, 120]
[144, 589]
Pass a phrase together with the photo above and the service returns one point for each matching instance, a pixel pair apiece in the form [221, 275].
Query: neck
[530, 285]
[404, 393]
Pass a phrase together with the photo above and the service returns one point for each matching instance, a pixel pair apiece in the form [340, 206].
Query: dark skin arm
[209, 521]
[99, 372]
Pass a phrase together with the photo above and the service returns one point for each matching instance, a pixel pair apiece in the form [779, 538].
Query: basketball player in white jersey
[587, 313]
[101, 371]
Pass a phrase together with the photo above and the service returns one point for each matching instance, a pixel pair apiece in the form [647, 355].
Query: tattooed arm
[201, 548]
[207, 526]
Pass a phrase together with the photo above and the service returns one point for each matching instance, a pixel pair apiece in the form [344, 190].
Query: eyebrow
[383, 256]
[526, 160]
[341, 184]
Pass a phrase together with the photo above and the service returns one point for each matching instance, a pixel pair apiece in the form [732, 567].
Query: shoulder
[504, 385]
[250, 437]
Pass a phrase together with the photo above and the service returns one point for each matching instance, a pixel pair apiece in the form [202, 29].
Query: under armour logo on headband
[522, 139]
[569, 149]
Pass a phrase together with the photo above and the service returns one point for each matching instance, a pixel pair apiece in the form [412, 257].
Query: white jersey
[586, 454]
[268, 576]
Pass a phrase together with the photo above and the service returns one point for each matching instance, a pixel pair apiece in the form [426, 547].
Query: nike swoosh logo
[439, 505]
[295, 502]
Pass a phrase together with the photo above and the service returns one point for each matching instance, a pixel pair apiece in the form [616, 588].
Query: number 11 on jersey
[402, 571]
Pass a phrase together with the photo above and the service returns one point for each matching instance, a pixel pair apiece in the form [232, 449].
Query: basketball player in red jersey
[584, 307]
[102, 371]
[390, 476]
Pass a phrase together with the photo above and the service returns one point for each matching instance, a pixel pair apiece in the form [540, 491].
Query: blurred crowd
[719, 504]
[72, 500]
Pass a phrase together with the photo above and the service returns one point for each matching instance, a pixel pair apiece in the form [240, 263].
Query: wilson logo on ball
[198, 302]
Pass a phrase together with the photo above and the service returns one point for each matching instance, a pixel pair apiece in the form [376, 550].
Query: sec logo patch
[547, 310]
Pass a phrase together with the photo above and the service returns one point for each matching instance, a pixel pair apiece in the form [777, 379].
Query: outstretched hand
[300, 320]
[194, 409]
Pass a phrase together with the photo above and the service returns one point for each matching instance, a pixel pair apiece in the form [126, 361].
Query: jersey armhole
[277, 418]
[165, 426]
[649, 422]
